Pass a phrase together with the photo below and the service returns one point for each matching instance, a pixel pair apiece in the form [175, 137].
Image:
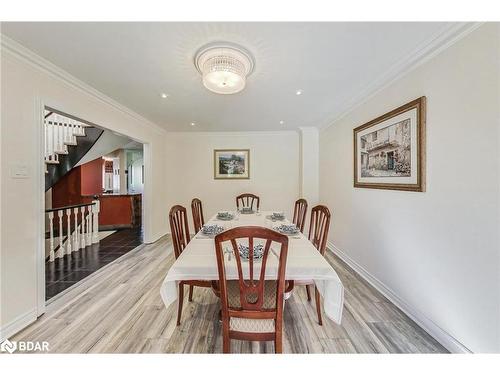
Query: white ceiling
[134, 62]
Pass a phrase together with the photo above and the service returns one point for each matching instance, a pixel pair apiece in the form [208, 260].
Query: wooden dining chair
[180, 238]
[252, 307]
[318, 234]
[299, 214]
[197, 211]
[247, 200]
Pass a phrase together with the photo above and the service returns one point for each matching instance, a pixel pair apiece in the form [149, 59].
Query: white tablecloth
[304, 262]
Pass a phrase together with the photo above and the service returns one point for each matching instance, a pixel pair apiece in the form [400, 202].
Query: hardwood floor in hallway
[118, 309]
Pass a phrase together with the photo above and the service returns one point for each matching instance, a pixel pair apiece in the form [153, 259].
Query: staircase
[66, 142]
[71, 228]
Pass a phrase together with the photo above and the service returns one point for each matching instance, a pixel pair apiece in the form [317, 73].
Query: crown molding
[24, 54]
[439, 42]
[232, 133]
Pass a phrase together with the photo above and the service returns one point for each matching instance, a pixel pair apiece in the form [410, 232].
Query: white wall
[438, 251]
[25, 85]
[309, 165]
[274, 170]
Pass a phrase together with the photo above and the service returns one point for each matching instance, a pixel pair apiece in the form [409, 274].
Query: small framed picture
[389, 151]
[231, 164]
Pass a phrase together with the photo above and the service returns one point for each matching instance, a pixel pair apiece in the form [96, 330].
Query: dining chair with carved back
[197, 211]
[180, 237]
[319, 226]
[247, 200]
[252, 307]
[299, 214]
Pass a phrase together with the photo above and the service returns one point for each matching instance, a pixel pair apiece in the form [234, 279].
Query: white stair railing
[85, 230]
[60, 132]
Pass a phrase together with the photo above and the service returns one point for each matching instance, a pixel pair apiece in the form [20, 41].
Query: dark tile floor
[67, 271]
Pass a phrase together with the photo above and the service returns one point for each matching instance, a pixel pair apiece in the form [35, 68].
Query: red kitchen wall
[91, 177]
[80, 181]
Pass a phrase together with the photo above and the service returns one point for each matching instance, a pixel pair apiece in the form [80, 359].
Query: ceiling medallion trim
[224, 67]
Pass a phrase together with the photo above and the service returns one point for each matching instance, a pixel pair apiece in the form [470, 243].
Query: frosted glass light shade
[224, 68]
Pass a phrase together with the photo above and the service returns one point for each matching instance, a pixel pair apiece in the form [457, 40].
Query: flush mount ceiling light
[224, 67]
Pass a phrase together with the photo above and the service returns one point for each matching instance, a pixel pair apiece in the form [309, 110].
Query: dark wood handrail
[68, 207]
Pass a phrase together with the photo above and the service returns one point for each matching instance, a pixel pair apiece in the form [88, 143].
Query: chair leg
[191, 287]
[226, 342]
[308, 293]
[318, 306]
[180, 301]
[278, 344]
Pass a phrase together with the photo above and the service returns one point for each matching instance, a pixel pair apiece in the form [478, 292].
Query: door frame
[40, 105]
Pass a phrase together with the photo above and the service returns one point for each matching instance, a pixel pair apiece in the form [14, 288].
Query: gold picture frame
[232, 164]
[389, 151]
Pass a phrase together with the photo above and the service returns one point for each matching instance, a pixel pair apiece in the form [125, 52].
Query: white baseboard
[443, 337]
[156, 237]
[21, 322]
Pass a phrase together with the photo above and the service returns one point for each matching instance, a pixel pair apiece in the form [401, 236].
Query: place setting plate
[258, 252]
[276, 216]
[225, 216]
[211, 230]
[288, 229]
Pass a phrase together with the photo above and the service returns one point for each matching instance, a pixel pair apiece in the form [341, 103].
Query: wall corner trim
[439, 42]
[18, 51]
[18, 324]
[443, 337]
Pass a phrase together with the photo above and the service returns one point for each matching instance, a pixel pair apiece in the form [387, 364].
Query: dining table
[304, 262]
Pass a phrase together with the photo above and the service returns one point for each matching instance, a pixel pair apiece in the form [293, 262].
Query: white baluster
[69, 239]
[60, 137]
[51, 236]
[49, 140]
[76, 245]
[73, 132]
[95, 212]
[54, 139]
[65, 137]
[60, 253]
[88, 231]
[46, 131]
[83, 244]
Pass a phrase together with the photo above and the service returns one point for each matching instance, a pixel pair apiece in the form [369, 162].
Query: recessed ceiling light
[298, 92]
[193, 124]
[282, 122]
[163, 95]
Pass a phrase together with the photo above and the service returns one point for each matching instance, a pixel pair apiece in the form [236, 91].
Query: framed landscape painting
[231, 164]
[389, 151]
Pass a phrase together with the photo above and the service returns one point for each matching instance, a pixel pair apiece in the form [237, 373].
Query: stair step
[61, 152]
[70, 143]
[51, 161]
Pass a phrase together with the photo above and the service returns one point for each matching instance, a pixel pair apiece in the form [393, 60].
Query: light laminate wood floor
[119, 310]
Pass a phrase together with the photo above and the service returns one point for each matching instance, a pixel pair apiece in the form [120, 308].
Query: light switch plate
[19, 171]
